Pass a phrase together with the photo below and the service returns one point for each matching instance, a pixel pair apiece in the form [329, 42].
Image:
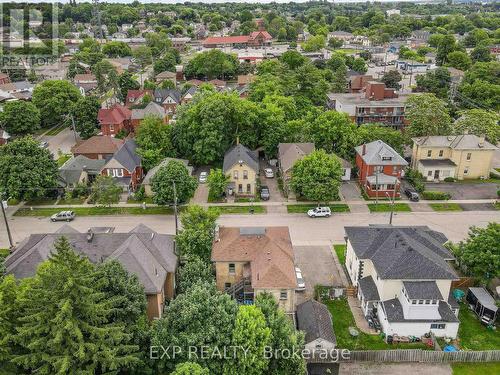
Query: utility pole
[376, 187]
[11, 243]
[73, 125]
[175, 208]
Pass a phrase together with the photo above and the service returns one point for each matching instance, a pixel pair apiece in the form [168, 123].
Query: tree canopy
[427, 115]
[212, 64]
[20, 117]
[154, 139]
[479, 122]
[162, 183]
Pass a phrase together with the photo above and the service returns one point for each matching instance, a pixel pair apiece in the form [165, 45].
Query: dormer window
[385, 158]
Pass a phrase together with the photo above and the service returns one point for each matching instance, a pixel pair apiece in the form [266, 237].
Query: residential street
[303, 230]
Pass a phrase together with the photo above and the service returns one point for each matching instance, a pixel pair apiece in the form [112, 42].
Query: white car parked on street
[320, 212]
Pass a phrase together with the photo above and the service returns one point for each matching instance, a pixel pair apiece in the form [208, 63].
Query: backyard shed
[482, 303]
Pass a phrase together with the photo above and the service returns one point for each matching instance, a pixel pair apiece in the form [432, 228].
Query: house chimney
[237, 139]
[363, 152]
[90, 235]
[482, 138]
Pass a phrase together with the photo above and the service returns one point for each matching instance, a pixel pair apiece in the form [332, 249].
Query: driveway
[62, 141]
[201, 193]
[370, 368]
[350, 191]
[318, 268]
[271, 183]
[466, 190]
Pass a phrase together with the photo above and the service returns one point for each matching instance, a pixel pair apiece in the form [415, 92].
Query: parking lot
[459, 190]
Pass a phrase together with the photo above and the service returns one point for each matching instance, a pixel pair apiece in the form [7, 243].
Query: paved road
[303, 231]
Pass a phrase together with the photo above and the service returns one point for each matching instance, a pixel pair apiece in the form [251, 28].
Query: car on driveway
[301, 285]
[268, 173]
[264, 193]
[63, 216]
[319, 212]
[44, 144]
[412, 195]
[203, 177]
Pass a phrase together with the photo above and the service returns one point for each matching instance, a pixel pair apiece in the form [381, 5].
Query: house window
[378, 168]
[235, 175]
[395, 169]
[469, 155]
[111, 128]
[115, 172]
[420, 301]
[429, 153]
[413, 301]
[283, 294]
[249, 188]
[158, 100]
[232, 268]
[427, 301]
[438, 326]
[245, 175]
[227, 285]
[390, 187]
[429, 173]
[240, 188]
[466, 170]
[441, 153]
[131, 100]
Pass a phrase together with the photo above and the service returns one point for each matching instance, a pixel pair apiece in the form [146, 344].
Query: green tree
[367, 133]
[284, 337]
[194, 271]
[293, 59]
[479, 254]
[9, 315]
[26, 170]
[202, 316]
[479, 122]
[84, 114]
[359, 65]
[190, 368]
[445, 46]
[392, 78]
[166, 63]
[314, 43]
[116, 49]
[20, 117]
[125, 83]
[427, 115]
[162, 184]
[197, 234]
[436, 82]
[317, 177]
[54, 99]
[64, 325]
[479, 94]
[333, 132]
[250, 332]
[335, 43]
[339, 79]
[217, 183]
[212, 64]
[143, 56]
[154, 139]
[481, 54]
[105, 191]
[459, 60]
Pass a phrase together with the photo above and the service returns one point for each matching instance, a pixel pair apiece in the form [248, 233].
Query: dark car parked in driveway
[264, 193]
[412, 195]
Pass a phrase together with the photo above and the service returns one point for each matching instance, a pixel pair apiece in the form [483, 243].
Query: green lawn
[340, 250]
[387, 207]
[445, 206]
[41, 202]
[303, 208]
[476, 368]
[63, 159]
[4, 253]
[226, 210]
[56, 130]
[71, 201]
[473, 335]
[95, 211]
[342, 319]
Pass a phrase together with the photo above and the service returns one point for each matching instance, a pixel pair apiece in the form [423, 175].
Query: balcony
[242, 291]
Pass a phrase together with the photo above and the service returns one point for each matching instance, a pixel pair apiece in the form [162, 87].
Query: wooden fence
[407, 355]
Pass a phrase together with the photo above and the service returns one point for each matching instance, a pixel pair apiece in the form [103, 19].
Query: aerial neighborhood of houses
[314, 178]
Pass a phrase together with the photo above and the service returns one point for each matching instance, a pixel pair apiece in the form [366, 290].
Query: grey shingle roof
[289, 153]
[71, 171]
[422, 290]
[239, 153]
[394, 313]
[315, 320]
[403, 252]
[127, 155]
[376, 151]
[152, 109]
[164, 93]
[458, 142]
[368, 288]
[142, 251]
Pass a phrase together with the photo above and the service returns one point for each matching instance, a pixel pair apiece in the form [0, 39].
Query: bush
[449, 179]
[498, 193]
[140, 194]
[436, 195]
[415, 178]
[80, 190]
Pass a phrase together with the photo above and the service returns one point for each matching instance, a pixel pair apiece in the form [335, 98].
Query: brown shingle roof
[99, 144]
[289, 153]
[270, 255]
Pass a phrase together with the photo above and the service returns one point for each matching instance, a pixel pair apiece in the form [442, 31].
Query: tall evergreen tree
[64, 324]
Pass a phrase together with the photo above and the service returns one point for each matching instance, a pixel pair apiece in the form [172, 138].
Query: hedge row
[436, 195]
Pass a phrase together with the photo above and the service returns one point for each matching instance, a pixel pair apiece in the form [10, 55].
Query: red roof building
[255, 39]
[135, 97]
[114, 119]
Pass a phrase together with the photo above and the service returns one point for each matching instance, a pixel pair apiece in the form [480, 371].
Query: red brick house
[98, 147]
[380, 169]
[255, 39]
[125, 166]
[135, 97]
[114, 119]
